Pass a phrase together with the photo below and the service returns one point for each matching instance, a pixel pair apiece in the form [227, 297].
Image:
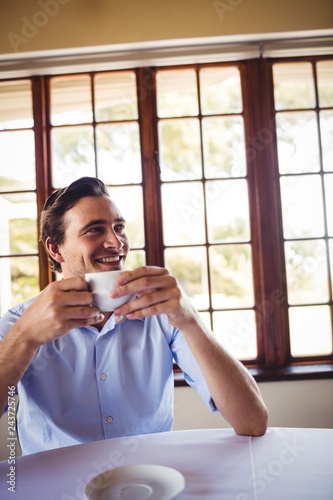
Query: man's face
[95, 238]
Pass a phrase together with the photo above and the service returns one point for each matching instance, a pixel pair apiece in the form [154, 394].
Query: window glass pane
[118, 153]
[115, 96]
[135, 258]
[180, 152]
[298, 147]
[310, 330]
[72, 154]
[326, 129]
[330, 245]
[223, 147]
[231, 276]
[19, 281]
[220, 91]
[205, 316]
[176, 93]
[71, 100]
[189, 266]
[328, 179]
[17, 166]
[18, 224]
[129, 201]
[227, 211]
[302, 206]
[16, 104]
[293, 85]
[307, 277]
[325, 83]
[183, 214]
[236, 330]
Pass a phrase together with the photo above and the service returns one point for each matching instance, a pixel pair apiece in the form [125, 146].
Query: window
[94, 131]
[224, 173]
[19, 269]
[303, 94]
[206, 228]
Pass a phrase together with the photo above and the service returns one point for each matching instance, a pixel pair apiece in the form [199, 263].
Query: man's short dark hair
[52, 217]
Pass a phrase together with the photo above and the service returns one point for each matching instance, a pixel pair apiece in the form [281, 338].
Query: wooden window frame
[274, 360]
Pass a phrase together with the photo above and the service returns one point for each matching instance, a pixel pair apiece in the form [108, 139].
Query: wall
[290, 404]
[29, 25]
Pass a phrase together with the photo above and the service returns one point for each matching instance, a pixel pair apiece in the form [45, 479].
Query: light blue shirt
[90, 385]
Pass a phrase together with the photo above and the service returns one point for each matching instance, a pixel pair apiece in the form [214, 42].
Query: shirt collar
[111, 324]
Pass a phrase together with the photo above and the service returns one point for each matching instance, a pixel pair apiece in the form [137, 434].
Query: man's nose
[112, 240]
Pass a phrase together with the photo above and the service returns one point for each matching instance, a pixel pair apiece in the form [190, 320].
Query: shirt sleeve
[190, 368]
[11, 316]
[6, 322]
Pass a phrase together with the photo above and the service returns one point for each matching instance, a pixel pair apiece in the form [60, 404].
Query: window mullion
[150, 168]
[42, 172]
[266, 218]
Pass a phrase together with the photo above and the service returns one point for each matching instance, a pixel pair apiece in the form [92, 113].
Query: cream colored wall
[30, 25]
[290, 404]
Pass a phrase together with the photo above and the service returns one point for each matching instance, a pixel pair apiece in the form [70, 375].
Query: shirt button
[103, 376]
[109, 419]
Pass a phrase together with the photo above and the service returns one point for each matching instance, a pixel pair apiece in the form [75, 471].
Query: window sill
[293, 372]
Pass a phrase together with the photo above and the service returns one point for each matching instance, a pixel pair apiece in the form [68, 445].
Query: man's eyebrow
[102, 222]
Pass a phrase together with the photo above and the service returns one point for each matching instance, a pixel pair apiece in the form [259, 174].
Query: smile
[109, 259]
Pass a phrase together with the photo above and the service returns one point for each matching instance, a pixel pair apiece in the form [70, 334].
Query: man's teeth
[109, 259]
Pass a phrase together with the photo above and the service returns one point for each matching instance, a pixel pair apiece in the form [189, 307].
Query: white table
[285, 464]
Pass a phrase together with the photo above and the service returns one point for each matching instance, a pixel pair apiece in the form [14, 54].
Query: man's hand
[61, 306]
[157, 291]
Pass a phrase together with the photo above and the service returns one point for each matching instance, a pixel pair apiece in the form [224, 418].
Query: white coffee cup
[101, 284]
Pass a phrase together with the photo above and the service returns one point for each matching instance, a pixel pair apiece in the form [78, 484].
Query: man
[80, 375]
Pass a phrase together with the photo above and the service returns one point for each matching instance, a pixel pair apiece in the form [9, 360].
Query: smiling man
[81, 376]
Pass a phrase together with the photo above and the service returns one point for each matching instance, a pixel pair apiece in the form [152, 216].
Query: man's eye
[120, 228]
[94, 230]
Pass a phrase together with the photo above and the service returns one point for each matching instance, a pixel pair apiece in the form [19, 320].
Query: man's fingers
[80, 312]
[74, 298]
[91, 320]
[70, 285]
[150, 303]
[71, 292]
[144, 284]
[141, 272]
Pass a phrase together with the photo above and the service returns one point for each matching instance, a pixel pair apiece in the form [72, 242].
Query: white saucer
[136, 482]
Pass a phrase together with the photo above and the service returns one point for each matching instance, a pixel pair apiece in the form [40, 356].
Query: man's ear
[54, 250]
